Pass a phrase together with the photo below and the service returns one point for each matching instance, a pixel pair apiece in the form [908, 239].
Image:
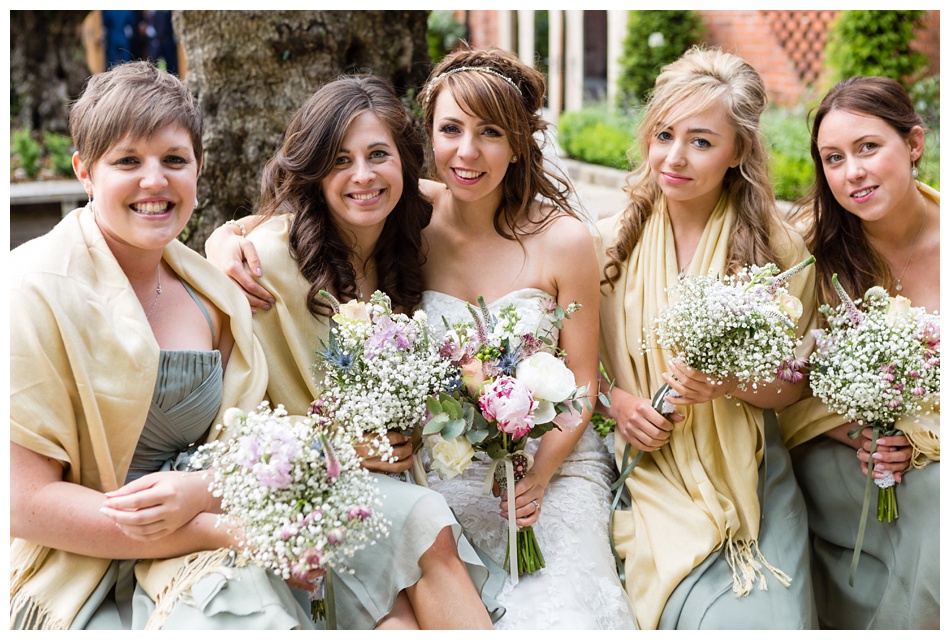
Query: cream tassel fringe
[196, 567]
[746, 562]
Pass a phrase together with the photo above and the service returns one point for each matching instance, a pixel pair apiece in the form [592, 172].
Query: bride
[491, 236]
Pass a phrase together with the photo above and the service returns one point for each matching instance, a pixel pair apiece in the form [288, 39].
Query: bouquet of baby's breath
[295, 490]
[740, 326]
[512, 384]
[377, 369]
[875, 364]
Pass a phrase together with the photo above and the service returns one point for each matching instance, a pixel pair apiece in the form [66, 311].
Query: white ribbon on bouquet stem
[512, 527]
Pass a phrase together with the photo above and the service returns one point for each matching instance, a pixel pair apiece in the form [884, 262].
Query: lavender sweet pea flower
[386, 332]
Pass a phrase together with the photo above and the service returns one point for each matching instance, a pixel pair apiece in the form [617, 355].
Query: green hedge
[598, 136]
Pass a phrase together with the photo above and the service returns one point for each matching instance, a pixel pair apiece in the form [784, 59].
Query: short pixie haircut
[132, 99]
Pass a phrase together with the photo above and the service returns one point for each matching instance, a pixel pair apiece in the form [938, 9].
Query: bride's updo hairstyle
[495, 86]
[692, 83]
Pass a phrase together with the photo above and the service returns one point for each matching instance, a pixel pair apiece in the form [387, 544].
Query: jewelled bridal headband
[487, 70]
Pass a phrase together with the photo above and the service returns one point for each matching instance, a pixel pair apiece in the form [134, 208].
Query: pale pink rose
[898, 307]
[473, 376]
[352, 311]
[568, 420]
[509, 403]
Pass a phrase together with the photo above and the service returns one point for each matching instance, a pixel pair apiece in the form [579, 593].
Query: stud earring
[514, 158]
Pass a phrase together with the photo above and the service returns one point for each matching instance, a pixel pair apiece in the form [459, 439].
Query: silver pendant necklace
[923, 216]
[158, 293]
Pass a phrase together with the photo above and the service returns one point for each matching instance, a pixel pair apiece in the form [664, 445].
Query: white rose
[450, 457]
[791, 305]
[547, 377]
[544, 412]
[898, 307]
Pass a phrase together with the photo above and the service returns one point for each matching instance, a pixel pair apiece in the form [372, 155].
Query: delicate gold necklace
[158, 293]
[923, 217]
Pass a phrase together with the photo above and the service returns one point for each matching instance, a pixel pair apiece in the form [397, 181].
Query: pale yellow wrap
[809, 417]
[83, 364]
[288, 332]
[698, 492]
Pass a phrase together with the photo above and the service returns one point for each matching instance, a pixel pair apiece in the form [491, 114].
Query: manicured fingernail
[877, 456]
[259, 272]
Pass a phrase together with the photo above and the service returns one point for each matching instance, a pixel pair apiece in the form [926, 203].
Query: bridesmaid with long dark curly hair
[341, 210]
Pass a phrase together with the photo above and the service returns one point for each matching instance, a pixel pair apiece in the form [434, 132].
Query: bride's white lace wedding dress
[579, 587]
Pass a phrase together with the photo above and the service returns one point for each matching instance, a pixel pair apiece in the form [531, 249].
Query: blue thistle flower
[508, 361]
[335, 356]
[453, 386]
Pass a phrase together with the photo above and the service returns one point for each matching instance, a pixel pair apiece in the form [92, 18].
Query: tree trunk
[47, 67]
[251, 70]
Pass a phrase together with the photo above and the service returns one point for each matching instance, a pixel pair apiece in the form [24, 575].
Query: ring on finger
[537, 507]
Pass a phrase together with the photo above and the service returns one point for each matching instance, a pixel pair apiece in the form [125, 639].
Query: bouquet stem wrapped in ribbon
[875, 365]
[512, 385]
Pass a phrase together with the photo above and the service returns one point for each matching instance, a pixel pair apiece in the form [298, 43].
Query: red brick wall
[784, 46]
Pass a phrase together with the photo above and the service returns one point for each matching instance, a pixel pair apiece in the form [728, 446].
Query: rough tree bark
[251, 70]
[47, 67]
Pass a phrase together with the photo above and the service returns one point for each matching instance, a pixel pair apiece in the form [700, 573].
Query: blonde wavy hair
[701, 77]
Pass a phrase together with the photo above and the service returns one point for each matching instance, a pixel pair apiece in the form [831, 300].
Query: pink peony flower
[509, 403]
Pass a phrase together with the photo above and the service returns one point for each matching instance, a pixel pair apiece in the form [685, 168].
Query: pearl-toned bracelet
[240, 226]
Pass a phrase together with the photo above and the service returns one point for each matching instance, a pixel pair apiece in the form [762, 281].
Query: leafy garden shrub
[26, 152]
[875, 43]
[443, 32]
[597, 136]
[59, 149]
[790, 161]
[654, 38]
[35, 155]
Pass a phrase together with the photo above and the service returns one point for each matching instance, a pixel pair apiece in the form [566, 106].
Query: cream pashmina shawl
[83, 364]
[698, 493]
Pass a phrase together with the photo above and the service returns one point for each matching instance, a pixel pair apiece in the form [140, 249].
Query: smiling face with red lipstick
[689, 158]
[143, 189]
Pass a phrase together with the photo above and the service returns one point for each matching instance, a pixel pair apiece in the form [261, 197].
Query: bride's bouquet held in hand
[511, 384]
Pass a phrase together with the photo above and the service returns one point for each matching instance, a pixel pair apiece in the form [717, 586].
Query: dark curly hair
[291, 182]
